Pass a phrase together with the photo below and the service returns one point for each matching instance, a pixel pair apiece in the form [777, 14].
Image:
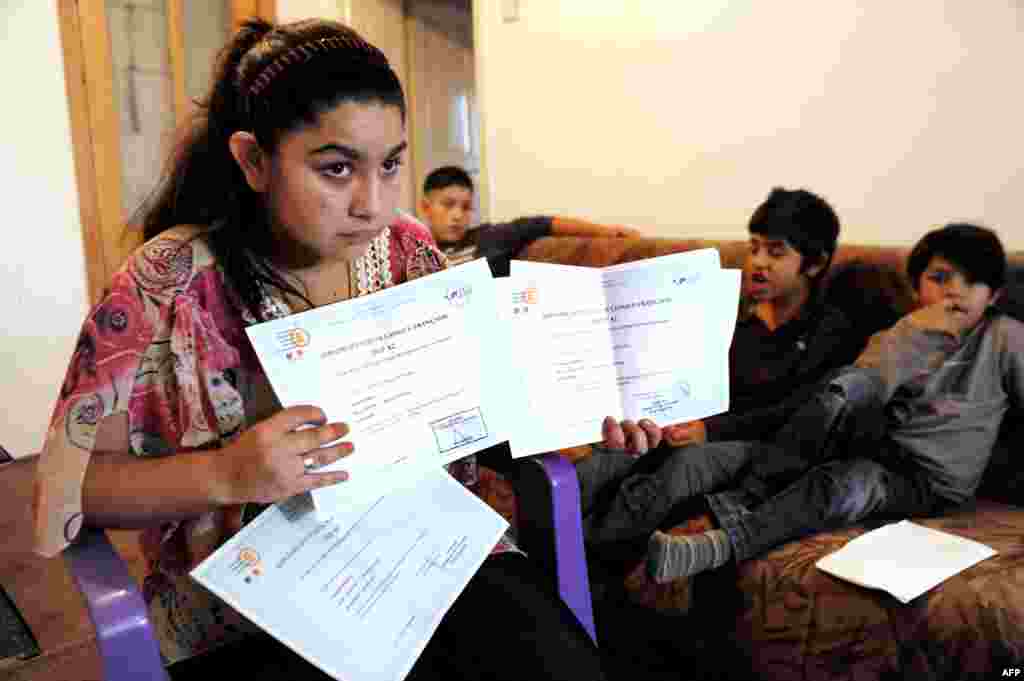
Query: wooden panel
[105, 133]
[81, 143]
[245, 9]
[176, 57]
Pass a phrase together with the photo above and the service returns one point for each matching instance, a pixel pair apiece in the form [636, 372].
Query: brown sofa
[779, 617]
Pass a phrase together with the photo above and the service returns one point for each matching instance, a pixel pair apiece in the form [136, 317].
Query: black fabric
[772, 373]
[507, 625]
[500, 242]
[16, 639]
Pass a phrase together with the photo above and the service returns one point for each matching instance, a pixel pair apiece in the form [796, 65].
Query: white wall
[680, 116]
[42, 266]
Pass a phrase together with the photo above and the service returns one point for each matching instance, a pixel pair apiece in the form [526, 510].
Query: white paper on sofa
[648, 339]
[904, 559]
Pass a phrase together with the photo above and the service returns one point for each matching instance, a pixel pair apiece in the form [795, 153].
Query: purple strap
[127, 645]
[570, 556]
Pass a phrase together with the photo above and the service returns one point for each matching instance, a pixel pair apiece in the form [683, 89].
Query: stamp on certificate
[459, 429]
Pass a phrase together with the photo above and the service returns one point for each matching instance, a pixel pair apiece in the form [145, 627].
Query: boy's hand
[682, 434]
[636, 438]
[944, 317]
[562, 226]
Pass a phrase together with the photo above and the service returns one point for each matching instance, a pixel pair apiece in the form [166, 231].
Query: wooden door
[133, 69]
[442, 90]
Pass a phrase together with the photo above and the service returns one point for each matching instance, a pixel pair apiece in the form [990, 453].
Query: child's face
[333, 187]
[448, 211]
[772, 270]
[942, 282]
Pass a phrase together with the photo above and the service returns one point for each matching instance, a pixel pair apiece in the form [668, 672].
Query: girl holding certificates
[281, 196]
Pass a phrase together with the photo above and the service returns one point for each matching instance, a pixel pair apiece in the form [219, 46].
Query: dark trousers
[508, 624]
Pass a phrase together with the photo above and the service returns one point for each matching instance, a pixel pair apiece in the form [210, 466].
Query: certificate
[358, 594]
[640, 340]
[408, 369]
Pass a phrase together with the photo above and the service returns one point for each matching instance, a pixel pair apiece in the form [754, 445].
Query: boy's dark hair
[975, 250]
[446, 176]
[270, 80]
[803, 219]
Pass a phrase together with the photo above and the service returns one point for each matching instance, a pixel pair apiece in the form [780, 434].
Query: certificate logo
[458, 295]
[522, 300]
[528, 296]
[247, 564]
[292, 341]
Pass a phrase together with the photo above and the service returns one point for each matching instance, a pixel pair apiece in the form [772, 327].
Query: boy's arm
[563, 226]
[500, 242]
[916, 345]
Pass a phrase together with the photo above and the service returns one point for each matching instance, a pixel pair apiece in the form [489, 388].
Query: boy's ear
[250, 158]
[996, 296]
[816, 266]
[425, 212]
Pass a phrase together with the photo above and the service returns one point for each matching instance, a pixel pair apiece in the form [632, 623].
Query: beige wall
[42, 270]
[680, 116]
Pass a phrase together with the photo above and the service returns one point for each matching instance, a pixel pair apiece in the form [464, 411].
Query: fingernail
[343, 476]
[348, 447]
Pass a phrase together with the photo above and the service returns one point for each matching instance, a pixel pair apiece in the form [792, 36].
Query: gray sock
[673, 556]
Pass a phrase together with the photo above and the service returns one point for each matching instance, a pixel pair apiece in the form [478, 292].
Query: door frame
[95, 123]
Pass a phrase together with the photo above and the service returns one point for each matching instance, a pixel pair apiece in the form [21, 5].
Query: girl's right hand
[277, 458]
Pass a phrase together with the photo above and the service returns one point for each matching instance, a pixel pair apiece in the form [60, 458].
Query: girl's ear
[250, 158]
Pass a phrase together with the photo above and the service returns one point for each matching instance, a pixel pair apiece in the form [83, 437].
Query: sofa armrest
[126, 641]
[551, 529]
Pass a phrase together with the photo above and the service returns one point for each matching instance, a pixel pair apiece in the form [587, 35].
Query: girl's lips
[358, 237]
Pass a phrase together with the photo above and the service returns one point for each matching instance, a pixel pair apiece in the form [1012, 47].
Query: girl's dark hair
[268, 80]
[977, 251]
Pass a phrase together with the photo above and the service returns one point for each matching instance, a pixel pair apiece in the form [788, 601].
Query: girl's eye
[940, 277]
[338, 170]
[777, 252]
[391, 166]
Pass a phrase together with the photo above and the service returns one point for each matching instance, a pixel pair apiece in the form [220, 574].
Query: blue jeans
[833, 494]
